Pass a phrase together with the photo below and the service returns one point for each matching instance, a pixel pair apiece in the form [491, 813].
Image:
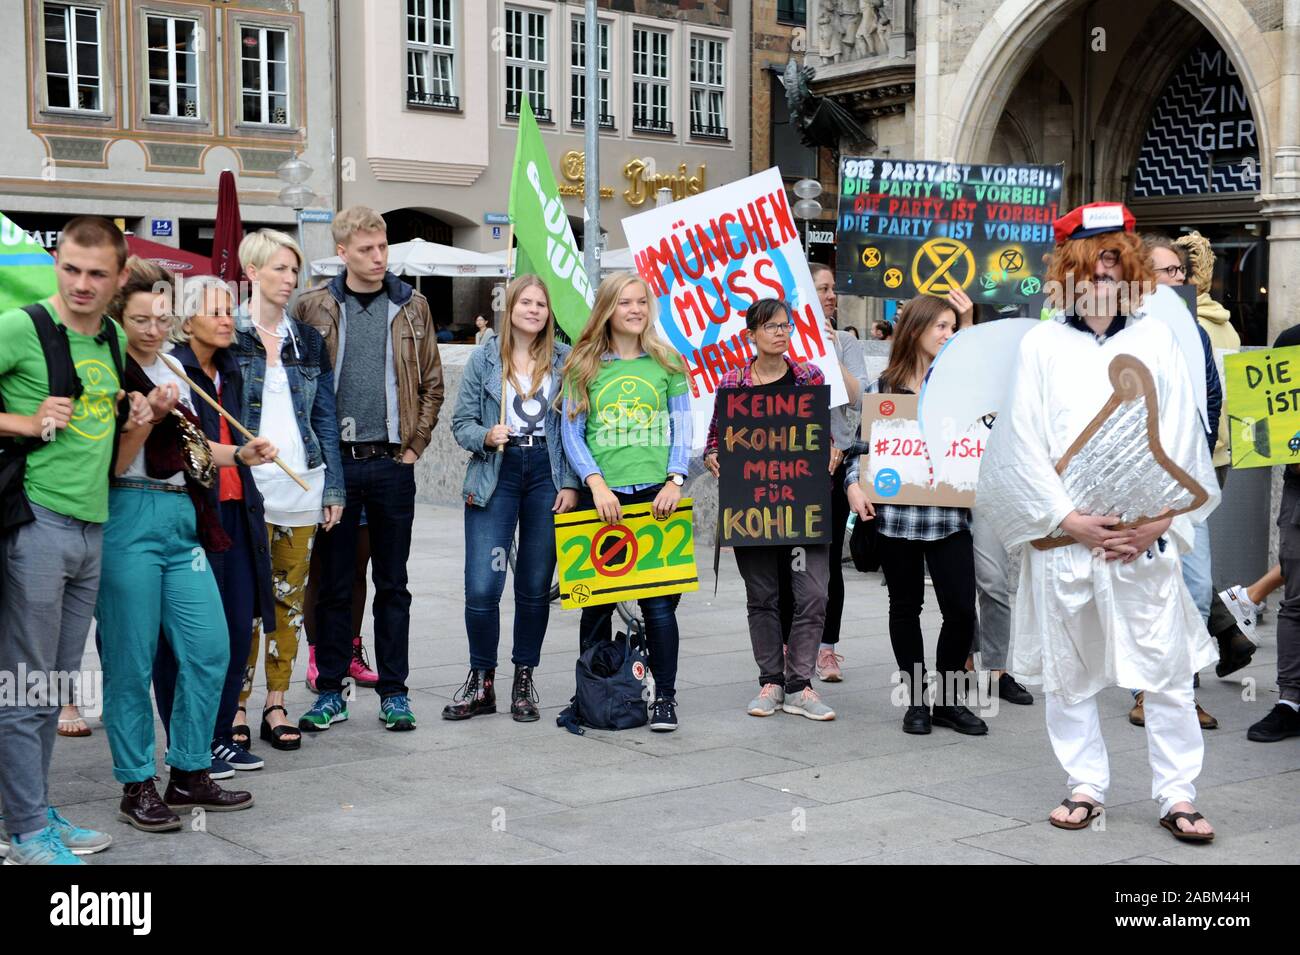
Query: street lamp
[807, 207]
[296, 194]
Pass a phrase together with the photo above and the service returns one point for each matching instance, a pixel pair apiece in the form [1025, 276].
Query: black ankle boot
[523, 697]
[476, 696]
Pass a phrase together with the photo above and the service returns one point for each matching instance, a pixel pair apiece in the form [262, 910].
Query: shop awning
[176, 261]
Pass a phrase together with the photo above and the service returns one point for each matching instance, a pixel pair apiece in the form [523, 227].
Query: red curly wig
[1073, 261]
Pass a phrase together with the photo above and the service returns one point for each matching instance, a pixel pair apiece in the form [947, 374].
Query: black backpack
[15, 510]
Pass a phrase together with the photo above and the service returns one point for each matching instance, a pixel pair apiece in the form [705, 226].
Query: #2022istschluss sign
[899, 468]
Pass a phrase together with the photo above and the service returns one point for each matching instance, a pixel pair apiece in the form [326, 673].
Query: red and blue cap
[1095, 218]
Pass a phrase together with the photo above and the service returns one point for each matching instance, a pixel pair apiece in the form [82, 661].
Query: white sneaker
[1243, 609]
[808, 703]
[768, 701]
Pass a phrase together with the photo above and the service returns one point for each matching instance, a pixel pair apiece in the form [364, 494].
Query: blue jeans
[385, 488]
[524, 496]
[660, 614]
[1196, 570]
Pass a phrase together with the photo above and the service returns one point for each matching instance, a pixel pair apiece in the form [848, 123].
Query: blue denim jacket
[311, 383]
[478, 408]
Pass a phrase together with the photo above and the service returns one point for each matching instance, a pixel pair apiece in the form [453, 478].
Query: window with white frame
[708, 87]
[73, 72]
[264, 75]
[651, 89]
[527, 62]
[430, 54]
[173, 52]
[578, 72]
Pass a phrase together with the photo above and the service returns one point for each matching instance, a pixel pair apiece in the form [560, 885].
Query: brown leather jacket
[415, 351]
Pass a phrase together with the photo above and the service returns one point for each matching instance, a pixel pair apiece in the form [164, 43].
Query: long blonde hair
[541, 351]
[588, 352]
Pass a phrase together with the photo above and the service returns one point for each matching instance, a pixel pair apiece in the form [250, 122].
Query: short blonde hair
[356, 219]
[257, 247]
[193, 293]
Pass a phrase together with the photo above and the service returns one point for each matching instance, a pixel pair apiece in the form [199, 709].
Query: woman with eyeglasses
[156, 576]
[784, 679]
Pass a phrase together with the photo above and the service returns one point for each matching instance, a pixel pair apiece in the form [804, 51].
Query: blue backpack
[613, 685]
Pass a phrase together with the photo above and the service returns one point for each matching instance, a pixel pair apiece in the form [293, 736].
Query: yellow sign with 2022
[640, 556]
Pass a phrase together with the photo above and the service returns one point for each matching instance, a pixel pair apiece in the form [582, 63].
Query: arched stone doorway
[453, 302]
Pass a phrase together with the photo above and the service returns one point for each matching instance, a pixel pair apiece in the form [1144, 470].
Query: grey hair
[190, 293]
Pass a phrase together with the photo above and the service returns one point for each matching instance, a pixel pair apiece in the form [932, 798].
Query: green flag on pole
[546, 243]
[26, 269]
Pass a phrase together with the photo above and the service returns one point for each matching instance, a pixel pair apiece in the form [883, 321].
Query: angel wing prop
[1117, 466]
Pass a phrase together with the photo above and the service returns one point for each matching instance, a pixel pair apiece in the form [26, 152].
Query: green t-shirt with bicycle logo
[628, 421]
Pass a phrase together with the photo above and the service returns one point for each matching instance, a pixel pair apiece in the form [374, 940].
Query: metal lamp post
[807, 208]
[296, 194]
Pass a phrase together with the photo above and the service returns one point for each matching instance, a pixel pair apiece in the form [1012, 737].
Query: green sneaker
[328, 709]
[395, 713]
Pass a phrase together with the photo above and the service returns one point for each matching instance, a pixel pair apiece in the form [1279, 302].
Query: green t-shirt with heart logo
[68, 475]
[628, 420]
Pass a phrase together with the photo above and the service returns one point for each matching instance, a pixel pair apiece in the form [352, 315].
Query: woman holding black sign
[627, 433]
[785, 680]
[911, 537]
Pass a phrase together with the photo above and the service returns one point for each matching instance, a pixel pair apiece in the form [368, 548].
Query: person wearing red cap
[1110, 608]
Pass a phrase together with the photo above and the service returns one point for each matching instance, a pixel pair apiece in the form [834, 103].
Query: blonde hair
[1200, 260]
[144, 277]
[588, 352]
[193, 296]
[256, 248]
[542, 349]
[356, 219]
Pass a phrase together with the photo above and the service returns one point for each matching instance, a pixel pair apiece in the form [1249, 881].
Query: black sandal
[242, 734]
[1170, 822]
[275, 734]
[1094, 810]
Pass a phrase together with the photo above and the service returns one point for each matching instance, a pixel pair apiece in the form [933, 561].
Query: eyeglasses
[1171, 270]
[1109, 258]
[161, 323]
[777, 328]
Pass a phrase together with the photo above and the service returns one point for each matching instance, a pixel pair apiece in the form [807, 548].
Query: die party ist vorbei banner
[707, 259]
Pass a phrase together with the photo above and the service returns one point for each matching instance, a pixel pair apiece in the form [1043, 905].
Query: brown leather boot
[142, 808]
[196, 790]
[476, 696]
[523, 697]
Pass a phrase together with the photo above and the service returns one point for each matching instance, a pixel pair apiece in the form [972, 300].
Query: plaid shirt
[805, 373]
[917, 522]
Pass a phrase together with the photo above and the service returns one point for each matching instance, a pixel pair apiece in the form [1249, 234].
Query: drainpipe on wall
[338, 107]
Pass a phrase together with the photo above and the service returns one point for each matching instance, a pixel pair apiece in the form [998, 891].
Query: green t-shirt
[68, 475]
[627, 421]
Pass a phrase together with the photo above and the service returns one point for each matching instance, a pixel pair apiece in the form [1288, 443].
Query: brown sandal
[75, 732]
[1094, 810]
[1170, 822]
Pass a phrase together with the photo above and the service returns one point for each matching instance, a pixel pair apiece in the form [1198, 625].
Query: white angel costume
[1081, 623]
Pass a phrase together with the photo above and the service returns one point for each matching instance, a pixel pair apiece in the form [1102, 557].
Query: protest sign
[706, 259]
[1262, 402]
[907, 228]
[899, 468]
[640, 556]
[774, 446]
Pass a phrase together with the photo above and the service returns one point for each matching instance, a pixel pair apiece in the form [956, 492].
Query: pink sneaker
[312, 672]
[359, 668]
[828, 666]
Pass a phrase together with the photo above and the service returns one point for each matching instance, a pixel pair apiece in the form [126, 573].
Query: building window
[264, 76]
[651, 89]
[73, 75]
[526, 62]
[173, 67]
[578, 74]
[708, 87]
[792, 11]
[430, 54]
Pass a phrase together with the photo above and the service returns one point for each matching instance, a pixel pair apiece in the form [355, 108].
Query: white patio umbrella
[611, 260]
[419, 257]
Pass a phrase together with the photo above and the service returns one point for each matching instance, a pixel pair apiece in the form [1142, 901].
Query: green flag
[26, 269]
[546, 243]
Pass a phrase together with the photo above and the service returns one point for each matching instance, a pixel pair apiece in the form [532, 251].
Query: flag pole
[510, 274]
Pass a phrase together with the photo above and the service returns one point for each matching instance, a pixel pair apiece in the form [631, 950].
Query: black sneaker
[960, 719]
[663, 715]
[1013, 692]
[917, 720]
[1281, 722]
[235, 756]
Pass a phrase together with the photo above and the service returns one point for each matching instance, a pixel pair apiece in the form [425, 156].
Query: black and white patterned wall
[1202, 138]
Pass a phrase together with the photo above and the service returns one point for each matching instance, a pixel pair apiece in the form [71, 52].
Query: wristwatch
[677, 479]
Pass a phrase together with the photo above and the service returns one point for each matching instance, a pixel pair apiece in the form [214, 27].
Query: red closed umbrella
[228, 231]
[176, 261]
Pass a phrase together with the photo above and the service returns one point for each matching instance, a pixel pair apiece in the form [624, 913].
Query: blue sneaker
[328, 709]
[235, 756]
[81, 842]
[395, 713]
[221, 769]
[44, 848]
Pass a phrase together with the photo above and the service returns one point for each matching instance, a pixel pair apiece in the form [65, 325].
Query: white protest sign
[707, 258]
[899, 468]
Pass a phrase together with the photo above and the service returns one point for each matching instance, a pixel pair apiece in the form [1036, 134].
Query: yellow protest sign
[1262, 402]
[640, 556]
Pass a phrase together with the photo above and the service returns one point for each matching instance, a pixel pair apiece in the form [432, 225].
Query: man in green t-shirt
[49, 567]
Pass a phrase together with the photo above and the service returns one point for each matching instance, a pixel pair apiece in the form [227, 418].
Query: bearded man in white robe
[1110, 609]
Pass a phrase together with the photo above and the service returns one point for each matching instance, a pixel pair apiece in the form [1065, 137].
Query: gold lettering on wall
[573, 169]
[642, 188]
